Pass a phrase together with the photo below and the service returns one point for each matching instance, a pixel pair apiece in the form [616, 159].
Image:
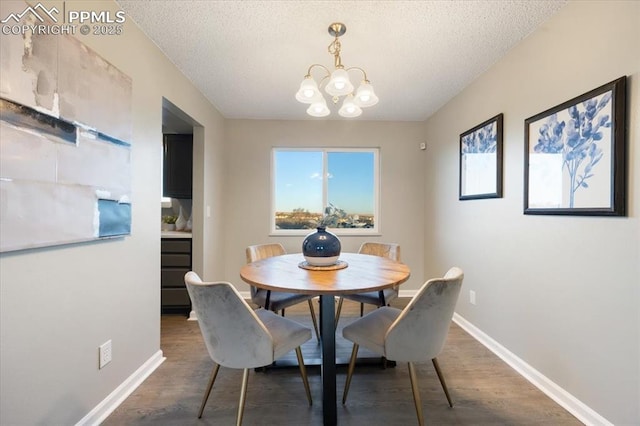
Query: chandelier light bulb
[365, 96]
[308, 92]
[349, 108]
[339, 85]
[318, 109]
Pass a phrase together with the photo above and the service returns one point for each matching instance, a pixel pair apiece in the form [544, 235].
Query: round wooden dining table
[355, 273]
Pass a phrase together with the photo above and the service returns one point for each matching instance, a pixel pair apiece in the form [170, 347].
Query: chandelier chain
[334, 49]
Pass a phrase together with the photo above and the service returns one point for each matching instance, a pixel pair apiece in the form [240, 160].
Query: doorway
[177, 248]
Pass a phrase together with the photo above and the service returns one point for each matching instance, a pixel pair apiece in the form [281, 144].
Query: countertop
[175, 234]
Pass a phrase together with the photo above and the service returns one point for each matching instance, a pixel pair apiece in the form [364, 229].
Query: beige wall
[561, 293]
[248, 146]
[57, 305]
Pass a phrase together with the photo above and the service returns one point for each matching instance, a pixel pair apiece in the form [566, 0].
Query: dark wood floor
[484, 389]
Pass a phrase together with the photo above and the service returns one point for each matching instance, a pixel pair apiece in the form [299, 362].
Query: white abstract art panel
[65, 143]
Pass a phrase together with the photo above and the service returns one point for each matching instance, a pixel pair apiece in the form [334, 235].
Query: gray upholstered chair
[388, 250]
[276, 301]
[414, 334]
[238, 337]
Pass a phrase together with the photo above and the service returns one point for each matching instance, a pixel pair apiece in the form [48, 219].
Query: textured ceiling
[248, 57]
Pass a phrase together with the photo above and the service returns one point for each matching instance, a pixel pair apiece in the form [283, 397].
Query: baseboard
[115, 398]
[563, 398]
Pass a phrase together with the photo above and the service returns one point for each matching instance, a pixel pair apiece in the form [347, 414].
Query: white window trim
[338, 231]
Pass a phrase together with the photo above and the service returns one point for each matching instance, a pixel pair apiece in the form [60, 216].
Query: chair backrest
[419, 333]
[234, 335]
[388, 250]
[262, 251]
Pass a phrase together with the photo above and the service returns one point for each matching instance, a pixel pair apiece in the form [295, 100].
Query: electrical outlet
[104, 353]
[472, 297]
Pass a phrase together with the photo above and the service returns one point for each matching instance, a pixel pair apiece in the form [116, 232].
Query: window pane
[298, 188]
[351, 186]
[307, 181]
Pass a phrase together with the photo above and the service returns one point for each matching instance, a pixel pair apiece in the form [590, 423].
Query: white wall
[57, 305]
[248, 146]
[561, 293]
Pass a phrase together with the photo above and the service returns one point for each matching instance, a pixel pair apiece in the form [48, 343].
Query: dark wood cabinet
[177, 166]
[175, 262]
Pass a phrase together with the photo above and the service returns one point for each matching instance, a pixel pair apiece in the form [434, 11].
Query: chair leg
[313, 318]
[243, 396]
[352, 364]
[212, 379]
[442, 382]
[338, 310]
[282, 311]
[361, 309]
[303, 373]
[416, 393]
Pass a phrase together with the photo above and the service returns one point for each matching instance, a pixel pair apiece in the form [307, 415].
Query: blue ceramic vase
[321, 248]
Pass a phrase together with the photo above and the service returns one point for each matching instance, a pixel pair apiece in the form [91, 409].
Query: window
[306, 181]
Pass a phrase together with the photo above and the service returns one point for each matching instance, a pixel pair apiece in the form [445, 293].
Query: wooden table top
[364, 273]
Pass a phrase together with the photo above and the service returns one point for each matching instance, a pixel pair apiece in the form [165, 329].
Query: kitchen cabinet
[177, 166]
[175, 262]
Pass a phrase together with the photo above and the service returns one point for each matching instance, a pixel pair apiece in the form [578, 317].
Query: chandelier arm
[361, 70]
[317, 65]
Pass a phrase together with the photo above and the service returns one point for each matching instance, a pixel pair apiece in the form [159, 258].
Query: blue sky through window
[298, 180]
[351, 181]
[298, 184]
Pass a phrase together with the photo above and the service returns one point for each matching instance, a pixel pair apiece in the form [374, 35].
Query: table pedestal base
[328, 372]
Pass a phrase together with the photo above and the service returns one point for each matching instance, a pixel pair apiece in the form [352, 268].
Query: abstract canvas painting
[65, 144]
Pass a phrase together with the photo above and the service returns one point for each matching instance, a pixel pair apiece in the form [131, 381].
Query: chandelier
[338, 84]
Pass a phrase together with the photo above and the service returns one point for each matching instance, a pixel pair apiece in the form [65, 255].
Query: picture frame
[481, 160]
[575, 155]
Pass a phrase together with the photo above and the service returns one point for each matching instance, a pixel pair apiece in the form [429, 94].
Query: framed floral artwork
[481, 160]
[575, 155]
